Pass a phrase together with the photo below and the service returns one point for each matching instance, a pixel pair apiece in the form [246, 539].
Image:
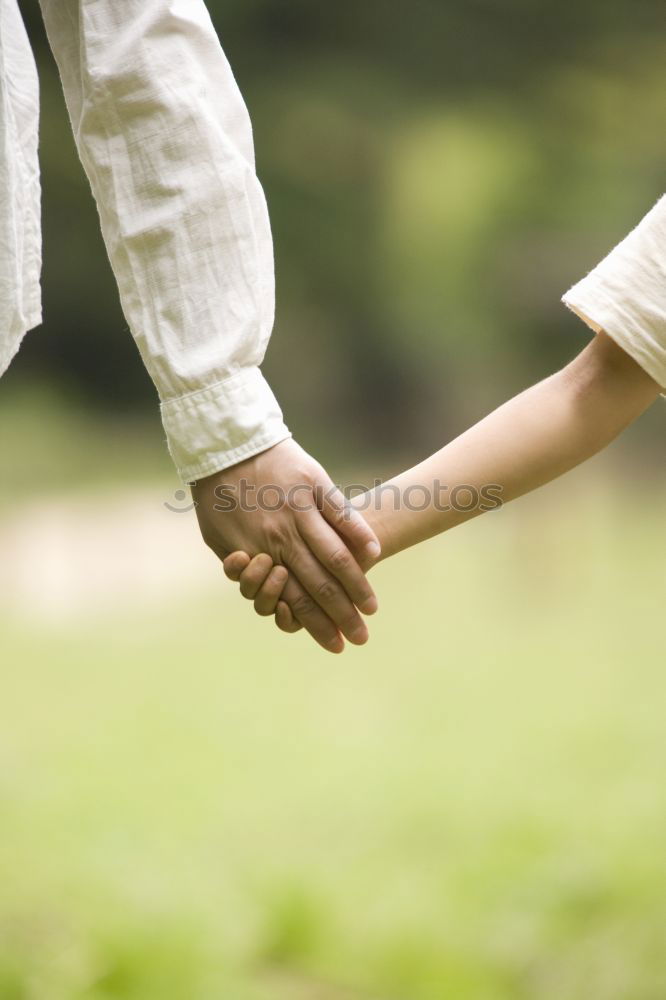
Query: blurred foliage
[438, 175]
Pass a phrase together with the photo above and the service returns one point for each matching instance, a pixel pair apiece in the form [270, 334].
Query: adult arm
[166, 142]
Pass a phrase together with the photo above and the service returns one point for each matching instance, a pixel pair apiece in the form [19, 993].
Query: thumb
[348, 523]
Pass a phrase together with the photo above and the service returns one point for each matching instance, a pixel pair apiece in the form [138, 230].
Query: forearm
[530, 440]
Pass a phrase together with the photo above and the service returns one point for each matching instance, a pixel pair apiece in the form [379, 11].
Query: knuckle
[303, 605]
[276, 537]
[327, 591]
[340, 560]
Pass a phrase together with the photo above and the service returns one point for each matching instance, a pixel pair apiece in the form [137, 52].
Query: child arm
[528, 441]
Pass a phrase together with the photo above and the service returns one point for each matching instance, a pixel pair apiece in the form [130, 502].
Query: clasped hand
[312, 546]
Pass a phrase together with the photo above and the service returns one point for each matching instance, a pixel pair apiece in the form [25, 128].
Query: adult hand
[283, 503]
[264, 583]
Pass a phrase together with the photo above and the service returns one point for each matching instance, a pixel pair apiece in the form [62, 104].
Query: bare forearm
[530, 440]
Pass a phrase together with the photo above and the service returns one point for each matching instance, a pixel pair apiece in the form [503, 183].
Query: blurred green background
[471, 807]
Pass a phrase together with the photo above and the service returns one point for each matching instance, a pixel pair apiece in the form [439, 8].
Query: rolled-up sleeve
[625, 295]
[166, 142]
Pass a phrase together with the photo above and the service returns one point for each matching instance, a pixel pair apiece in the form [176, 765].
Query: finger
[325, 590]
[266, 600]
[348, 522]
[333, 554]
[284, 618]
[234, 564]
[254, 576]
[311, 617]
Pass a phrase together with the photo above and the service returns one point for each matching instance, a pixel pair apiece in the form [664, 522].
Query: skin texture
[320, 541]
[530, 440]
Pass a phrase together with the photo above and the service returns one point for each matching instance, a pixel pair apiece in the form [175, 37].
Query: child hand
[284, 618]
[260, 581]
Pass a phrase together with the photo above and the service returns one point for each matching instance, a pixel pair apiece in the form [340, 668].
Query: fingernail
[369, 606]
[373, 549]
[335, 645]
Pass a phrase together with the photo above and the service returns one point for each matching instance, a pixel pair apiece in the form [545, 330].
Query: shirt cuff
[217, 427]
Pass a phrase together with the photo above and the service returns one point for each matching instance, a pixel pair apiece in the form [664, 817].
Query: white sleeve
[20, 190]
[166, 142]
[625, 295]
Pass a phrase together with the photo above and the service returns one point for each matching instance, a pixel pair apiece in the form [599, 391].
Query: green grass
[472, 807]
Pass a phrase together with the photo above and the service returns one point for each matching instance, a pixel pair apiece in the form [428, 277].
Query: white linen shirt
[625, 295]
[166, 142]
